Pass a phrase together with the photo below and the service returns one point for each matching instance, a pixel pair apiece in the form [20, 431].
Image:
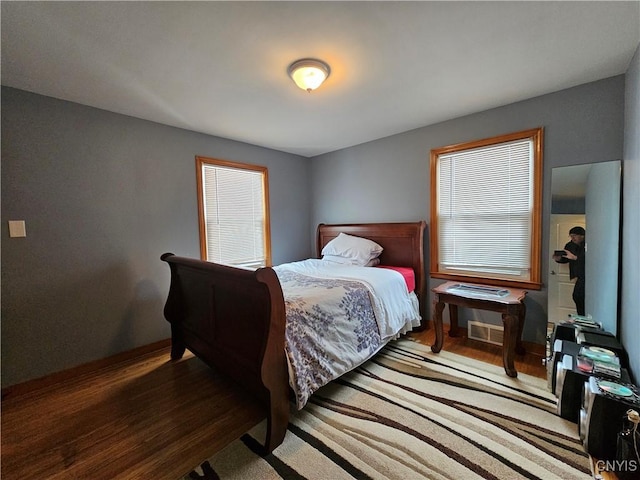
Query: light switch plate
[17, 228]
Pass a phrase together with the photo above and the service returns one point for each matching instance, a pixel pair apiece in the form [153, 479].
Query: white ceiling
[220, 67]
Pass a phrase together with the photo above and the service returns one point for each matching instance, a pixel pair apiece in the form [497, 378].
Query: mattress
[407, 273]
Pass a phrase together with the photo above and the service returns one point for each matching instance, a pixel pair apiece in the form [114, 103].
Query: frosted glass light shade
[308, 74]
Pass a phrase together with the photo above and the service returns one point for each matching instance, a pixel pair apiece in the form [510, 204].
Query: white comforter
[339, 316]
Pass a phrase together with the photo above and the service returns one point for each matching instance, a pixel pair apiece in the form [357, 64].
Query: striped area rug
[412, 414]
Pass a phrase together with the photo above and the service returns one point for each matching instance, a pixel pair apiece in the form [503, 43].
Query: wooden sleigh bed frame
[234, 319]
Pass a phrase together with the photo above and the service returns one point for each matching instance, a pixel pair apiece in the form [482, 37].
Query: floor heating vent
[485, 332]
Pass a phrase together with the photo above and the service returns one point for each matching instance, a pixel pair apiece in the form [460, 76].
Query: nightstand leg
[510, 339]
[438, 307]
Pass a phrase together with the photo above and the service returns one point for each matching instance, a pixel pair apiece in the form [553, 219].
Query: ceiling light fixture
[308, 73]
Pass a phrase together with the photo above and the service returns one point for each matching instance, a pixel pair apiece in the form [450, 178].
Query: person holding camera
[574, 256]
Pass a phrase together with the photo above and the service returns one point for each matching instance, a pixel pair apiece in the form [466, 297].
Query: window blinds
[234, 215]
[485, 208]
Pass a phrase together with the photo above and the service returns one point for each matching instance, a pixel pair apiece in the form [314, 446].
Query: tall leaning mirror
[587, 196]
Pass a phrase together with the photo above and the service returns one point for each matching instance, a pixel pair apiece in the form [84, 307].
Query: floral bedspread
[331, 324]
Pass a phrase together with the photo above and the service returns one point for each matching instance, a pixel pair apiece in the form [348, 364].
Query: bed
[240, 322]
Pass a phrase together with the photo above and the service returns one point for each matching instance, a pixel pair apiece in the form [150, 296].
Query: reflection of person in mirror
[574, 256]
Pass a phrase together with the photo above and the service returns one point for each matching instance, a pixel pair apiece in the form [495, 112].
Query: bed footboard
[234, 320]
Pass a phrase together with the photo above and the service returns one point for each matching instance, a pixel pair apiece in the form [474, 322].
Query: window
[486, 199]
[233, 211]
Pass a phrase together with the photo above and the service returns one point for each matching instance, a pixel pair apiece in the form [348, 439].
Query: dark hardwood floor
[144, 417]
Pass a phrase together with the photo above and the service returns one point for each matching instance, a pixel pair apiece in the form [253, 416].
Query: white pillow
[348, 261]
[356, 249]
[337, 259]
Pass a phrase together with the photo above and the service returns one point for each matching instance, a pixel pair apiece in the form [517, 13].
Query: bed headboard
[402, 245]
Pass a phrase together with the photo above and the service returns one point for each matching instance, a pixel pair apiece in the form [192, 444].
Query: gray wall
[388, 179]
[567, 206]
[103, 196]
[630, 311]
